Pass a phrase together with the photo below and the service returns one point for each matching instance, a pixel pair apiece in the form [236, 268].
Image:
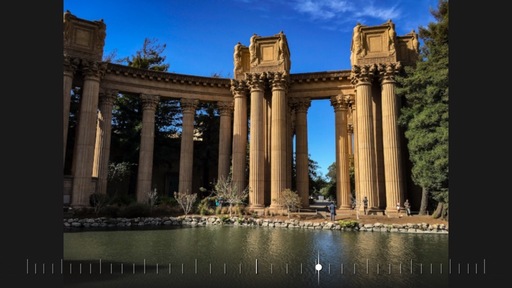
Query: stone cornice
[320, 76]
[132, 72]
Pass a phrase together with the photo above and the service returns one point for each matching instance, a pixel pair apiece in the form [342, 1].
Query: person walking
[332, 209]
[365, 205]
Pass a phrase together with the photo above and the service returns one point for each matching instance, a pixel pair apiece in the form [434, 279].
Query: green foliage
[348, 223]
[205, 206]
[424, 116]
[127, 116]
[164, 200]
[122, 200]
[135, 210]
[149, 56]
[109, 211]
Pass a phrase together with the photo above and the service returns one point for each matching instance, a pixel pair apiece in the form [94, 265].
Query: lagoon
[244, 256]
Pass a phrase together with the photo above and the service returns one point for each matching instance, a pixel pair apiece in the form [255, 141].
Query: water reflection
[256, 257]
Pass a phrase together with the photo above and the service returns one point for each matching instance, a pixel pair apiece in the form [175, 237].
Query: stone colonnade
[275, 117]
[93, 133]
[375, 125]
[277, 113]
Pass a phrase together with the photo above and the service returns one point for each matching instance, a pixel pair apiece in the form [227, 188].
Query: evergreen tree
[127, 115]
[424, 116]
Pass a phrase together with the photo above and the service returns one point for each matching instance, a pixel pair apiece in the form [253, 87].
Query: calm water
[221, 256]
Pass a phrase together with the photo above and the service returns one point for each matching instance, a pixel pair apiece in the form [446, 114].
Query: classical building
[262, 93]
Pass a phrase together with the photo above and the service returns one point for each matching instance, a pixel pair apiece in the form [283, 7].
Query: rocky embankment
[73, 224]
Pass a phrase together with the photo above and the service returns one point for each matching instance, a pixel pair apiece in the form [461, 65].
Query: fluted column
[103, 136]
[256, 84]
[226, 111]
[377, 138]
[353, 110]
[362, 77]
[290, 131]
[342, 156]
[70, 66]
[391, 144]
[279, 135]
[267, 121]
[86, 134]
[301, 127]
[188, 108]
[238, 90]
[147, 140]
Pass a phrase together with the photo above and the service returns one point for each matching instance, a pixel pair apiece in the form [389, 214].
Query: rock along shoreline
[81, 224]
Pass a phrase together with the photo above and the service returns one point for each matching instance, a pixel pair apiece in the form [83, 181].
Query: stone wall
[73, 224]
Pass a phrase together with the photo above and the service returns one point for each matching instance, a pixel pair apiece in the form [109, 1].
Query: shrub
[348, 223]
[122, 200]
[135, 210]
[109, 211]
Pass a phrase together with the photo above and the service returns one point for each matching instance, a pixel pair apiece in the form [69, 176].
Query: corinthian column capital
[388, 71]
[225, 108]
[238, 88]
[188, 105]
[108, 96]
[301, 104]
[71, 65]
[255, 81]
[149, 102]
[278, 80]
[94, 69]
[339, 103]
[362, 74]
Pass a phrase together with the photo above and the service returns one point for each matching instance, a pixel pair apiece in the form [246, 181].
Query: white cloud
[345, 9]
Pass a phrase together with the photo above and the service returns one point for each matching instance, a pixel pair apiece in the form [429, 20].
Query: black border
[32, 142]
[479, 144]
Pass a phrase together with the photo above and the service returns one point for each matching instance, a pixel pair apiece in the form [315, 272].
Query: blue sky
[200, 36]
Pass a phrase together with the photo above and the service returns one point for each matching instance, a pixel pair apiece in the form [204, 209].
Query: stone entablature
[166, 76]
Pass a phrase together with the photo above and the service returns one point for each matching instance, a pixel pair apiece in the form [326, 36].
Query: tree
[289, 199]
[424, 116]
[149, 56]
[186, 200]
[228, 192]
[127, 114]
